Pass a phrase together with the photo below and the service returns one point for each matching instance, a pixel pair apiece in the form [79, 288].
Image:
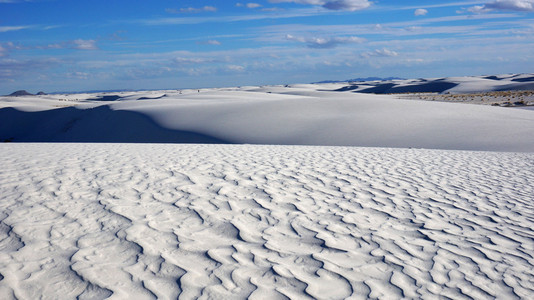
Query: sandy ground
[149, 221]
[519, 99]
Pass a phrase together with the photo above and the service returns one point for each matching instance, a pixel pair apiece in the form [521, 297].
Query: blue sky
[71, 45]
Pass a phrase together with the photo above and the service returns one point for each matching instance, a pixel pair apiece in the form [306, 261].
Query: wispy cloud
[426, 26]
[325, 42]
[513, 5]
[380, 52]
[267, 14]
[454, 19]
[503, 5]
[251, 5]
[209, 42]
[14, 68]
[192, 60]
[13, 28]
[236, 68]
[190, 68]
[435, 5]
[14, 1]
[191, 10]
[3, 51]
[348, 5]
[24, 27]
[79, 75]
[81, 44]
[477, 9]
[276, 59]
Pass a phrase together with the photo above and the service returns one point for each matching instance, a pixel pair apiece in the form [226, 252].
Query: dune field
[312, 191]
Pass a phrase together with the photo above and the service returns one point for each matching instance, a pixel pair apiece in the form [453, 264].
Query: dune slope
[298, 115]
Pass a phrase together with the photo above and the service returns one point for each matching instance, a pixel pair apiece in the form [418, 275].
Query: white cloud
[434, 5]
[516, 5]
[271, 9]
[236, 68]
[196, 61]
[172, 10]
[507, 5]
[209, 42]
[13, 68]
[191, 10]
[12, 28]
[380, 52]
[78, 75]
[84, 44]
[51, 46]
[477, 9]
[322, 42]
[11, 45]
[349, 5]
[249, 5]
[414, 27]
[34, 27]
[420, 12]
[309, 2]
[79, 44]
[253, 5]
[7, 47]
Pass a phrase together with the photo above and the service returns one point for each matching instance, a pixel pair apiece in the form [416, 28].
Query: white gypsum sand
[295, 115]
[225, 221]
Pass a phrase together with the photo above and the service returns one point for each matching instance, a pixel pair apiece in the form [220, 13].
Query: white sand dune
[295, 115]
[453, 85]
[149, 221]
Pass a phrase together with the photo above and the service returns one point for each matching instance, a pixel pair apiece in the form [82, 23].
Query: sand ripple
[166, 221]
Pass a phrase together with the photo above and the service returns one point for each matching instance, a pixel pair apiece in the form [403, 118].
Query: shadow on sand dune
[528, 79]
[524, 86]
[436, 86]
[106, 98]
[98, 125]
[427, 87]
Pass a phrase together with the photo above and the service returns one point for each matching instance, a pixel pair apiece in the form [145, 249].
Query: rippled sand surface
[149, 221]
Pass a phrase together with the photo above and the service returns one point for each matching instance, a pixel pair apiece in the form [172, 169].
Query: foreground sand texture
[214, 221]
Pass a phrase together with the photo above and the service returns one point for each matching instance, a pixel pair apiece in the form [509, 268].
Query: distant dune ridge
[473, 84]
